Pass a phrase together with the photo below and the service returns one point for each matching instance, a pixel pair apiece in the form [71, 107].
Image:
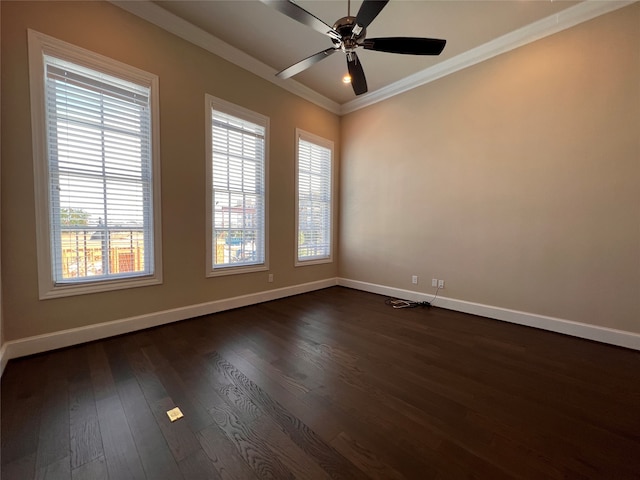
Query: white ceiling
[277, 41]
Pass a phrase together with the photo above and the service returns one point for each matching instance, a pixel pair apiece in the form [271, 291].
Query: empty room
[320, 239]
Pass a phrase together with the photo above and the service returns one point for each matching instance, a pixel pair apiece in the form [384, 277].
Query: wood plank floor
[329, 384]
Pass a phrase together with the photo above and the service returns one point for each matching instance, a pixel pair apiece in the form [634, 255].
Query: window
[314, 199]
[96, 170]
[236, 204]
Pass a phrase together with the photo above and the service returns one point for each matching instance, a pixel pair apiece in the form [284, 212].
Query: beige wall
[186, 73]
[517, 180]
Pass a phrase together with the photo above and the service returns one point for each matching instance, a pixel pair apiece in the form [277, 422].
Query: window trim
[39, 45]
[326, 143]
[229, 108]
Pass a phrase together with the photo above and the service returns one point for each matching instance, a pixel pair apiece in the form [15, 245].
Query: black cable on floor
[399, 303]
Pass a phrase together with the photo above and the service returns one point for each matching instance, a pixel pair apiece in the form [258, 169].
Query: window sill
[69, 290]
[312, 261]
[224, 271]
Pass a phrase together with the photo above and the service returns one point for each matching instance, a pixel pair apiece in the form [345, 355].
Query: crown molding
[158, 16]
[568, 18]
[535, 31]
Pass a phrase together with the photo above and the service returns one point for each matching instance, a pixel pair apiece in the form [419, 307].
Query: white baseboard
[66, 338]
[3, 358]
[582, 330]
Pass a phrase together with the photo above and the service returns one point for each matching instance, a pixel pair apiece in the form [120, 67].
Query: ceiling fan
[347, 34]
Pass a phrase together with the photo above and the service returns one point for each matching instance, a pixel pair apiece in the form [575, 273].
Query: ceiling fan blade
[368, 11]
[299, 14]
[358, 80]
[406, 45]
[306, 63]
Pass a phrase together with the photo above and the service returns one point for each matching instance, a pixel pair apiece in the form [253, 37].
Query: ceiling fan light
[346, 79]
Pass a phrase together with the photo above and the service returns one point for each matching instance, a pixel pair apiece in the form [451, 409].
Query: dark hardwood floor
[329, 384]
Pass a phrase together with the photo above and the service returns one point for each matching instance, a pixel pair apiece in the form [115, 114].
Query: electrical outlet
[414, 279]
[440, 283]
[270, 278]
[434, 282]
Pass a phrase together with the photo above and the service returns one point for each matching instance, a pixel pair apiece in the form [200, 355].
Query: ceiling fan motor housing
[350, 41]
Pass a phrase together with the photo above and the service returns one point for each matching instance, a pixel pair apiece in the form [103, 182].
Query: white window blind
[237, 188]
[100, 174]
[314, 198]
